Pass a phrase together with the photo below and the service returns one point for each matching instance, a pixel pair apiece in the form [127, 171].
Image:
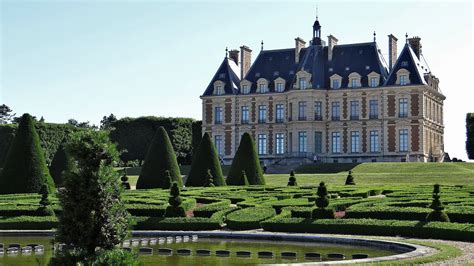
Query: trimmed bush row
[249, 218]
[28, 223]
[439, 230]
[209, 209]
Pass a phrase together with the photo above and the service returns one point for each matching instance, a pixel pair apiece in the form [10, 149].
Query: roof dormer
[280, 84]
[303, 80]
[354, 80]
[403, 77]
[219, 88]
[373, 79]
[245, 86]
[335, 81]
[262, 85]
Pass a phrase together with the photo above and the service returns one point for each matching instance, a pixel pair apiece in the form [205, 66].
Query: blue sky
[85, 59]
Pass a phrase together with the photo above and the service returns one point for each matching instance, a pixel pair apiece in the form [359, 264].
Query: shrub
[45, 208]
[160, 158]
[249, 218]
[116, 257]
[246, 159]
[470, 135]
[175, 209]
[437, 214]
[59, 165]
[209, 209]
[322, 201]
[205, 159]
[350, 179]
[94, 215]
[292, 179]
[28, 223]
[209, 179]
[124, 179]
[25, 169]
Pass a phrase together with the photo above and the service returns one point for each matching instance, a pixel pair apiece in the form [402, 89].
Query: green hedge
[209, 209]
[249, 218]
[155, 210]
[439, 230]
[28, 223]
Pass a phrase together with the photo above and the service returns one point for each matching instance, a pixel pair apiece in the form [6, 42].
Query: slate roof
[409, 61]
[229, 73]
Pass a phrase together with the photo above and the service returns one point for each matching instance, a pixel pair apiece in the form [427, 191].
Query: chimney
[245, 60]
[415, 45]
[392, 50]
[332, 41]
[234, 55]
[299, 44]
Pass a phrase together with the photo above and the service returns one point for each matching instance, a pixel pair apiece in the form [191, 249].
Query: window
[222, 75]
[336, 84]
[336, 114]
[318, 142]
[336, 142]
[218, 144]
[245, 89]
[302, 141]
[262, 113]
[262, 144]
[219, 90]
[355, 142]
[373, 109]
[403, 107]
[218, 115]
[301, 111]
[279, 87]
[403, 135]
[354, 110]
[280, 113]
[403, 80]
[373, 82]
[245, 114]
[318, 111]
[354, 83]
[302, 83]
[374, 141]
[263, 88]
[280, 143]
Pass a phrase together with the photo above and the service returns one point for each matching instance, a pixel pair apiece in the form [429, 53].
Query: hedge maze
[363, 210]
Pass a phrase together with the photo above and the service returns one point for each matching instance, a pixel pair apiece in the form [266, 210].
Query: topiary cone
[159, 159]
[59, 165]
[292, 179]
[25, 170]
[246, 159]
[437, 214]
[205, 158]
[350, 179]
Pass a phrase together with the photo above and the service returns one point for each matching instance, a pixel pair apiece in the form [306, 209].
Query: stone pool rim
[409, 250]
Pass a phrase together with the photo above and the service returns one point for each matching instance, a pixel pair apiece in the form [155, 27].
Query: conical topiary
[205, 158]
[159, 159]
[124, 179]
[350, 179]
[175, 209]
[246, 159]
[45, 204]
[209, 179]
[59, 165]
[292, 179]
[25, 170]
[322, 201]
[438, 213]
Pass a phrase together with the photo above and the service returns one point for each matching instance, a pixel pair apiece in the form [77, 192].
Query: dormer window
[279, 84]
[403, 77]
[279, 87]
[335, 81]
[222, 75]
[354, 80]
[403, 80]
[302, 83]
[245, 89]
[262, 85]
[374, 79]
[219, 88]
[245, 86]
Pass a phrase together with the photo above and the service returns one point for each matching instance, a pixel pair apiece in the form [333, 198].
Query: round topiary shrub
[438, 213]
[322, 201]
[124, 179]
[292, 179]
[159, 159]
[25, 170]
[350, 179]
[175, 209]
[246, 159]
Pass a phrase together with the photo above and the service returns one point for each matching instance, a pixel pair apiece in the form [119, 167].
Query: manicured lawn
[377, 174]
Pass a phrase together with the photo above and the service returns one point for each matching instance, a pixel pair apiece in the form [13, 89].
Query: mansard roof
[229, 73]
[409, 61]
[270, 65]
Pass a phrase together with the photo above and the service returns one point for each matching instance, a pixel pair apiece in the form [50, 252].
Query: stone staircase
[284, 166]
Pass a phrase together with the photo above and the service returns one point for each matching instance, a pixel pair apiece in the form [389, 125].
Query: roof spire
[262, 45]
[316, 11]
[375, 36]
[406, 37]
[226, 52]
